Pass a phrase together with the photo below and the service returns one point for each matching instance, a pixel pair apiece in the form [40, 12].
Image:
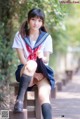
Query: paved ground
[67, 103]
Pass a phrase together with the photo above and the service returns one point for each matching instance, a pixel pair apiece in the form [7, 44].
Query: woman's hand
[40, 54]
[44, 56]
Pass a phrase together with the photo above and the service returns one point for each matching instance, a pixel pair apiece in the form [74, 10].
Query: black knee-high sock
[23, 85]
[46, 111]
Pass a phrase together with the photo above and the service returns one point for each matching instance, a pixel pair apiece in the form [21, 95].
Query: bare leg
[44, 97]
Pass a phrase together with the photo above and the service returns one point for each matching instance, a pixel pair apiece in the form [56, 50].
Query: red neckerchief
[33, 53]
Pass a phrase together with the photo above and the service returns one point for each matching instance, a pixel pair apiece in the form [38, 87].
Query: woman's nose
[36, 22]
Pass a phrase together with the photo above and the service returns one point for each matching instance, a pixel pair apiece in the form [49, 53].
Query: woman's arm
[46, 57]
[20, 53]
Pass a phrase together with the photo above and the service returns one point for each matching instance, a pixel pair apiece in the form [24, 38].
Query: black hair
[35, 12]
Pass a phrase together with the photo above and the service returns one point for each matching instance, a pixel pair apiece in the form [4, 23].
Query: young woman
[34, 46]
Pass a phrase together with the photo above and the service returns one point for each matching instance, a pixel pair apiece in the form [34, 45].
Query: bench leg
[37, 106]
[53, 93]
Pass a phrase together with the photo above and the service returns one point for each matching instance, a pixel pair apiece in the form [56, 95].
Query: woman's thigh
[44, 90]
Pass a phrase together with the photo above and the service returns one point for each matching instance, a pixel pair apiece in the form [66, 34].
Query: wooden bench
[32, 106]
[22, 115]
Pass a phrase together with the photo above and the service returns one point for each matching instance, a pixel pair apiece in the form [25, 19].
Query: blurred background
[62, 22]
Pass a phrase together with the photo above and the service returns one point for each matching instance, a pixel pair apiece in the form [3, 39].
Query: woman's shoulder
[46, 36]
[17, 34]
[49, 36]
[46, 33]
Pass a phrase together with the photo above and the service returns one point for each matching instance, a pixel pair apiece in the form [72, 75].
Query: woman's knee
[31, 65]
[44, 98]
[29, 68]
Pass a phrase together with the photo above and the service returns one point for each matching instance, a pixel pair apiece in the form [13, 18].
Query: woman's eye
[40, 20]
[32, 19]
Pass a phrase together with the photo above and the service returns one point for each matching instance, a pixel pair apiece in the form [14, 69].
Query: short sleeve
[17, 41]
[48, 44]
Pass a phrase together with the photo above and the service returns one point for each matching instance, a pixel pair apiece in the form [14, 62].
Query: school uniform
[44, 43]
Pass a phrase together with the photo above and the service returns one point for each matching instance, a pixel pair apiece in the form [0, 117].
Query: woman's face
[35, 23]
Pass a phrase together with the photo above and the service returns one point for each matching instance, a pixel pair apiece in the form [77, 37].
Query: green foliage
[5, 55]
[73, 25]
[6, 30]
[56, 26]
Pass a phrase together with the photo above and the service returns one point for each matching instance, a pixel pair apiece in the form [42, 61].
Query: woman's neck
[34, 34]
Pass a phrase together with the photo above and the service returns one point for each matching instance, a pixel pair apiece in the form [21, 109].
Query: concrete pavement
[67, 102]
